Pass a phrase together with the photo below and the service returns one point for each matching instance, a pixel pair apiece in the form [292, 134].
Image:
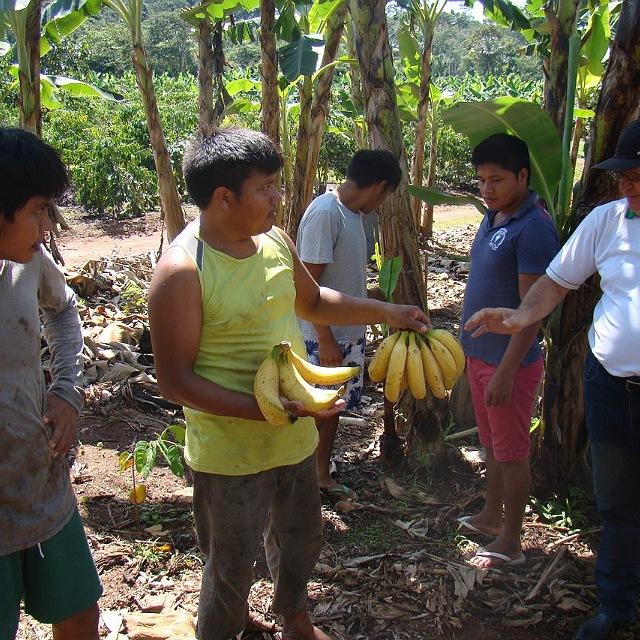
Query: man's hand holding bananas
[284, 388]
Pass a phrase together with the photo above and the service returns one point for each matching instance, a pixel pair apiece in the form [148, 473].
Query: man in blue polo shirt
[512, 249]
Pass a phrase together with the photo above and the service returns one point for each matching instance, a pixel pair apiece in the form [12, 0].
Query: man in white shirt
[608, 242]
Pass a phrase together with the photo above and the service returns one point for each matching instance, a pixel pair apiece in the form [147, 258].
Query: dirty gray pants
[232, 513]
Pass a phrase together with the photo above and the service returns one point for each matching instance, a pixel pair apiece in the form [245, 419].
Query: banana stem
[389, 420]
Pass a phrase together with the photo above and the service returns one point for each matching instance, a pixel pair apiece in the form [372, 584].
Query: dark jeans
[613, 420]
[232, 514]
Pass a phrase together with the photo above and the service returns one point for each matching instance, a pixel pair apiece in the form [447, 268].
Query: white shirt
[607, 242]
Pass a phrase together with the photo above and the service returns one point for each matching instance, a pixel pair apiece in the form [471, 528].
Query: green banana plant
[130, 11]
[208, 20]
[415, 37]
[478, 120]
[35, 32]
[435, 197]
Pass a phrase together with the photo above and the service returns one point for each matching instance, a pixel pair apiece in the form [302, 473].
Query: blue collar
[527, 204]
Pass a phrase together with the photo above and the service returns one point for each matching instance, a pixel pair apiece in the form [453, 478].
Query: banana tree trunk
[355, 79]
[305, 170]
[172, 213]
[206, 115]
[423, 420]
[270, 123]
[426, 222]
[618, 104]
[398, 231]
[562, 24]
[575, 141]
[564, 434]
[287, 170]
[294, 211]
[219, 63]
[320, 104]
[29, 66]
[421, 125]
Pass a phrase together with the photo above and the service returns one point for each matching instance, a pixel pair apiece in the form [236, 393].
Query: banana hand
[314, 374]
[294, 387]
[396, 369]
[452, 344]
[266, 391]
[446, 362]
[298, 410]
[380, 361]
[432, 371]
[415, 370]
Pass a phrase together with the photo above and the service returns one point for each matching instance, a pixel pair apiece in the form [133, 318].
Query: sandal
[339, 491]
[505, 559]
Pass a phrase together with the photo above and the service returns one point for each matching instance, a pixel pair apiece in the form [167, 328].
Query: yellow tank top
[247, 308]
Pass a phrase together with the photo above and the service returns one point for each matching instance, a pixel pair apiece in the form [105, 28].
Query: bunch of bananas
[284, 373]
[422, 362]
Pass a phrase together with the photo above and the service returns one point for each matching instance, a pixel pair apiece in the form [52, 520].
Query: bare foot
[299, 627]
[316, 634]
[497, 555]
[479, 521]
[256, 624]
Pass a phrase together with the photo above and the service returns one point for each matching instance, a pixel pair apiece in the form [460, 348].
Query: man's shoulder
[537, 219]
[325, 202]
[321, 216]
[608, 210]
[602, 218]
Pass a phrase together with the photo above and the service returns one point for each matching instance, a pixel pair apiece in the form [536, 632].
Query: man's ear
[221, 197]
[524, 174]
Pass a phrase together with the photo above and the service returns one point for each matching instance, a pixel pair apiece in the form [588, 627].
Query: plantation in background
[106, 144]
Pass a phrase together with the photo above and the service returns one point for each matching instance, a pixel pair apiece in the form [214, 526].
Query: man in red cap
[607, 242]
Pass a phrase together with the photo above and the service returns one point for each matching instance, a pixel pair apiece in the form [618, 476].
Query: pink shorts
[505, 428]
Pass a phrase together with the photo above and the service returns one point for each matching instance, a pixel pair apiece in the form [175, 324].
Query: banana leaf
[62, 17]
[301, 57]
[479, 120]
[434, 197]
[388, 276]
[216, 10]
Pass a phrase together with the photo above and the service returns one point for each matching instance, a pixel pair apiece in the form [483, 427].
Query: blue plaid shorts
[353, 356]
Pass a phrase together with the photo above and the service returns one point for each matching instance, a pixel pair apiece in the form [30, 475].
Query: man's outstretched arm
[539, 302]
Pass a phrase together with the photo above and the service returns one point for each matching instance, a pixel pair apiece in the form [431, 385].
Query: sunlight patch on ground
[447, 217]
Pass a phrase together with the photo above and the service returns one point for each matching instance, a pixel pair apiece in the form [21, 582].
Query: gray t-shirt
[36, 498]
[331, 234]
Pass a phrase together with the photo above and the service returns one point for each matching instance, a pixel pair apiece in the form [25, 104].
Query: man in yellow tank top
[227, 290]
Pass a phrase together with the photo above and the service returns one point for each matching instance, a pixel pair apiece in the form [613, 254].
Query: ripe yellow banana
[450, 341]
[380, 361]
[432, 372]
[314, 374]
[294, 387]
[395, 370]
[446, 361]
[266, 389]
[415, 370]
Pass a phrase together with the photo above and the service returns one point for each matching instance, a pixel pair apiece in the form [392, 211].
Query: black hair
[29, 168]
[226, 158]
[509, 152]
[370, 166]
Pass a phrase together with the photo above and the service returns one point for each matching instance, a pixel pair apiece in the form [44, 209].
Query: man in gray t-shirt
[331, 242]
[44, 556]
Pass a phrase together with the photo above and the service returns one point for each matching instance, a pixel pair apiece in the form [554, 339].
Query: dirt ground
[393, 564]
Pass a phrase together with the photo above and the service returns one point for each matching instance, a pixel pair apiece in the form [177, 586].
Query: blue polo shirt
[524, 243]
